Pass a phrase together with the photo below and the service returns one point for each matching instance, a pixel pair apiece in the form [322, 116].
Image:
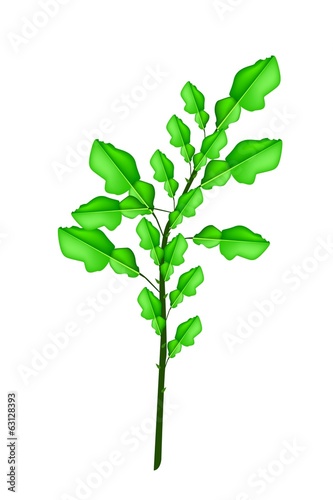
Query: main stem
[163, 347]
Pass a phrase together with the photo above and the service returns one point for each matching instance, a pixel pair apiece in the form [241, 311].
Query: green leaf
[117, 167]
[241, 241]
[212, 144]
[210, 237]
[149, 234]
[195, 104]
[227, 111]
[217, 173]
[122, 261]
[158, 324]
[253, 83]
[186, 206]
[173, 255]
[151, 305]
[157, 254]
[250, 158]
[186, 332]
[236, 241]
[187, 285]
[171, 186]
[100, 211]
[180, 137]
[163, 167]
[199, 160]
[131, 207]
[91, 247]
[144, 192]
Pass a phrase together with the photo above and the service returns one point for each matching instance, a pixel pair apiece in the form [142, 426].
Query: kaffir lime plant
[90, 245]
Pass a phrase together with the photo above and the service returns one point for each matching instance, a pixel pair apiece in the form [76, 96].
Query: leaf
[227, 111]
[171, 186]
[122, 261]
[187, 285]
[144, 192]
[253, 83]
[91, 247]
[100, 211]
[163, 167]
[151, 305]
[250, 158]
[131, 207]
[210, 237]
[164, 171]
[173, 255]
[195, 104]
[158, 324]
[180, 137]
[217, 173]
[117, 167]
[149, 234]
[186, 332]
[241, 241]
[157, 254]
[186, 206]
[212, 144]
[236, 241]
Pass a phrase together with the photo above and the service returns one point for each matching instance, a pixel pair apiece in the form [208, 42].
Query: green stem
[164, 346]
[162, 363]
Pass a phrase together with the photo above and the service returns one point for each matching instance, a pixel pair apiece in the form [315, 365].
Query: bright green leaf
[186, 332]
[158, 324]
[149, 234]
[235, 241]
[241, 241]
[163, 167]
[157, 254]
[131, 207]
[91, 247]
[187, 285]
[144, 192]
[151, 305]
[217, 173]
[250, 158]
[186, 206]
[122, 261]
[171, 186]
[173, 255]
[117, 167]
[100, 211]
[227, 111]
[253, 83]
[210, 237]
[195, 104]
[212, 144]
[180, 137]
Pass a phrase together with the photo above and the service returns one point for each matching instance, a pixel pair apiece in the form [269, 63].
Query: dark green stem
[164, 346]
[162, 364]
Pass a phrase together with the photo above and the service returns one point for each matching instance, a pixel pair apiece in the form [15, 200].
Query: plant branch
[158, 222]
[152, 284]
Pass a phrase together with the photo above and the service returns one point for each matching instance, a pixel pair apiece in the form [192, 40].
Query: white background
[231, 410]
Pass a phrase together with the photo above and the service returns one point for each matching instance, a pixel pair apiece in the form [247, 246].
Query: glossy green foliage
[91, 247]
[186, 206]
[180, 137]
[236, 241]
[117, 167]
[250, 158]
[186, 332]
[164, 172]
[185, 185]
[187, 285]
[195, 104]
[173, 255]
